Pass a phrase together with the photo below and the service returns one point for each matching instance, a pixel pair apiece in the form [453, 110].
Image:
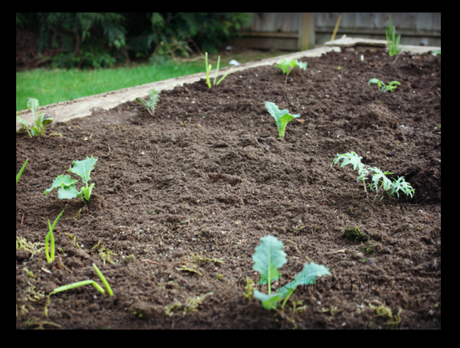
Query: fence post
[307, 32]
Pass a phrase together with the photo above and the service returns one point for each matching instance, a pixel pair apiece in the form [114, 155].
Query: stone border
[350, 42]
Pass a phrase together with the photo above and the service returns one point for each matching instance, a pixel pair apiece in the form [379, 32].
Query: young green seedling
[82, 283]
[208, 70]
[282, 117]
[392, 39]
[39, 124]
[50, 237]
[22, 169]
[150, 104]
[66, 184]
[388, 88]
[286, 66]
[268, 257]
[435, 53]
[378, 177]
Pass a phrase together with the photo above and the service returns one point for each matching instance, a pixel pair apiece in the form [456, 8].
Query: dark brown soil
[207, 177]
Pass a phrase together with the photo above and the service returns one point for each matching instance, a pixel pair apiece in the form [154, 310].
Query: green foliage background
[82, 39]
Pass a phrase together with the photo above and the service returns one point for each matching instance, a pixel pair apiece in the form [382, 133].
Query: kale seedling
[392, 39]
[355, 160]
[22, 169]
[268, 257]
[66, 184]
[378, 177]
[388, 88]
[282, 117]
[40, 122]
[208, 70]
[287, 65]
[150, 104]
[49, 236]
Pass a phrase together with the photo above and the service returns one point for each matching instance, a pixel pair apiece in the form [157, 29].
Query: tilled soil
[181, 199]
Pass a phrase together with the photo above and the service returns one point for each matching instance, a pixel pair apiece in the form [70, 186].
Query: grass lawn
[55, 85]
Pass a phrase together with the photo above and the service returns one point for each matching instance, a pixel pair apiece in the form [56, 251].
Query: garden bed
[190, 192]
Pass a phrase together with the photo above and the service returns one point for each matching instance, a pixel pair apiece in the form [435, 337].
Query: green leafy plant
[286, 66]
[208, 70]
[282, 117]
[66, 184]
[379, 179]
[268, 257]
[50, 237]
[22, 169]
[150, 104]
[39, 123]
[392, 39]
[388, 88]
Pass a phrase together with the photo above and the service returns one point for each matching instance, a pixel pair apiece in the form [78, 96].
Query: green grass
[55, 85]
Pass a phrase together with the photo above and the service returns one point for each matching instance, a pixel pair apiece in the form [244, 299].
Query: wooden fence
[305, 30]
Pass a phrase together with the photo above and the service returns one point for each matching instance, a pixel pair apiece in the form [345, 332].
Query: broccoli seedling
[286, 66]
[66, 184]
[388, 88]
[268, 257]
[39, 124]
[282, 117]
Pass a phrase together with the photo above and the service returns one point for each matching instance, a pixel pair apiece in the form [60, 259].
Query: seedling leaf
[268, 301]
[61, 181]
[268, 257]
[306, 277]
[84, 168]
[99, 273]
[282, 117]
[22, 169]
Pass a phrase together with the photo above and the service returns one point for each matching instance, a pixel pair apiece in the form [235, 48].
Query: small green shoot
[39, 123]
[286, 66]
[392, 39]
[435, 53]
[86, 282]
[50, 237]
[66, 184]
[354, 234]
[22, 169]
[385, 88]
[282, 117]
[249, 289]
[208, 70]
[368, 248]
[150, 104]
[268, 257]
[338, 68]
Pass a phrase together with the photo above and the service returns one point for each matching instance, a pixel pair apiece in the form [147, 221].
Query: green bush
[80, 39]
